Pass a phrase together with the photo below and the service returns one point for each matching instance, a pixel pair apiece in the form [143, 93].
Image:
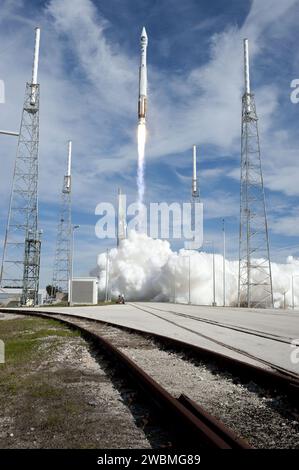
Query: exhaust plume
[142, 268]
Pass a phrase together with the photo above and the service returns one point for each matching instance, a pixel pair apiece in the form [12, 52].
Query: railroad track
[185, 416]
[191, 424]
[240, 329]
[274, 367]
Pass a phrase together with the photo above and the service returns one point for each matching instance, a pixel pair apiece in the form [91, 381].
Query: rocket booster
[142, 78]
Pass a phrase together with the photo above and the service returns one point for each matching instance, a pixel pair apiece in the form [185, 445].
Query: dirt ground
[56, 393]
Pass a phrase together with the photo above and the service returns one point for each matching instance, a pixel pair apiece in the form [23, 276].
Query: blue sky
[89, 74]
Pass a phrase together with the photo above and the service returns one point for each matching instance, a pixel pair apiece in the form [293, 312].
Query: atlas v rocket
[142, 78]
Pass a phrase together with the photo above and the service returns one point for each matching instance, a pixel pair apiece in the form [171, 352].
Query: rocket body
[142, 98]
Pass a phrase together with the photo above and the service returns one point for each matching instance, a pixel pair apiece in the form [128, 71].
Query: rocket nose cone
[143, 34]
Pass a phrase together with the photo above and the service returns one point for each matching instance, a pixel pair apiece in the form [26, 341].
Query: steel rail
[283, 380]
[192, 428]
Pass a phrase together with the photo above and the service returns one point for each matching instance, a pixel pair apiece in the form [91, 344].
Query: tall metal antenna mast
[21, 252]
[195, 189]
[121, 218]
[62, 263]
[195, 199]
[255, 279]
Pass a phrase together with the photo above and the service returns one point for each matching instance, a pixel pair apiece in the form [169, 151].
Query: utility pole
[211, 242]
[121, 218]
[255, 278]
[214, 278]
[293, 290]
[107, 276]
[293, 299]
[21, 251]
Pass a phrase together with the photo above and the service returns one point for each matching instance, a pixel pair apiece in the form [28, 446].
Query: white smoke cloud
[142, 268]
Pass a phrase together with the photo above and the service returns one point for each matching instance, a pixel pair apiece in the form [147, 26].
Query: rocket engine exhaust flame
[141, 136]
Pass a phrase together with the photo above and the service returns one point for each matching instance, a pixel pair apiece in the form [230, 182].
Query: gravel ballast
[263, 418]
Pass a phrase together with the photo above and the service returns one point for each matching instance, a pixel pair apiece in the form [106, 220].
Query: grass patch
[44, 390]
[43, 394]
[53, 332]
[19, 350]
[22, 338]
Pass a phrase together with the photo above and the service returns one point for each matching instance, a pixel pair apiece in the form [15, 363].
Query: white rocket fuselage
[142, 99]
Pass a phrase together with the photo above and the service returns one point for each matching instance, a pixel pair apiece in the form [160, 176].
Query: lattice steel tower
[21, 252]
[255, 279]
[62, 263]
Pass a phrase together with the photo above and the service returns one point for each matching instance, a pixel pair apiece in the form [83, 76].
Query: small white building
[13, 296]
[85, 290]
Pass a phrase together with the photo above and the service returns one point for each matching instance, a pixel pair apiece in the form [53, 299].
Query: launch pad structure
[255, 278]
[21, 253]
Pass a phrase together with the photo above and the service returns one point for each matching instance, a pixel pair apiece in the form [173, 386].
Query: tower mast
[62, 262]
[255, 278]
[21, 251]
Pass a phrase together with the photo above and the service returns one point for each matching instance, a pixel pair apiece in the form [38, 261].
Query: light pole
[224, 254]
[284, 300]
[107, 276]
[174, 287]
[293, 295]
[189, 279]
[211, 242]
[70, 299]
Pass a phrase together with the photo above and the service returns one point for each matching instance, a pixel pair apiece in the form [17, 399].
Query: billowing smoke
[142, 268]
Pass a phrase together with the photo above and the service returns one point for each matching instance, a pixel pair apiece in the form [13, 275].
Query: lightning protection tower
[62, 263]
[21, 252]
[255, 279]
[195, 189]
[195, 199]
